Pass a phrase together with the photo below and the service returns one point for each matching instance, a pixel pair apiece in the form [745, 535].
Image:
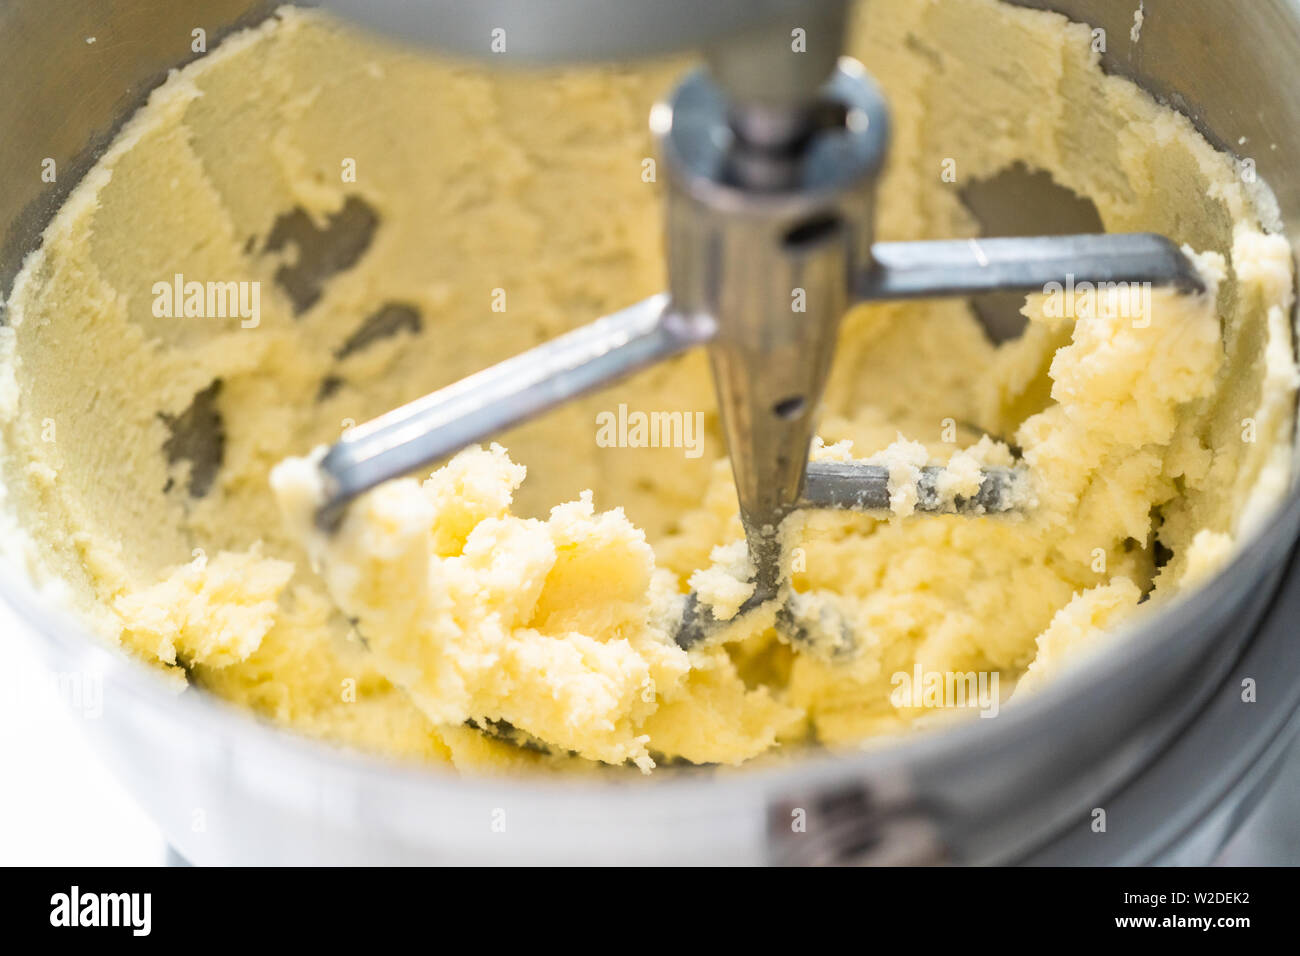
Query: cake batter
[409, 221]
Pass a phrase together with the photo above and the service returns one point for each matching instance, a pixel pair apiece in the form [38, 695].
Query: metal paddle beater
[770, 162]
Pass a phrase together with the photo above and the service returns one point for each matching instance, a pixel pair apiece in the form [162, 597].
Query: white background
[59, 806]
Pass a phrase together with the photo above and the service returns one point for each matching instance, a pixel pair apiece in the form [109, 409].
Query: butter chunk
[545, 625]
[206, 612]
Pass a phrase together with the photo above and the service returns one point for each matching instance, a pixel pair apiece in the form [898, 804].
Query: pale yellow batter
[502, 608]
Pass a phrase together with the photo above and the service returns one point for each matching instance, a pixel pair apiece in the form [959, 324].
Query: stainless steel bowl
[1154, 731]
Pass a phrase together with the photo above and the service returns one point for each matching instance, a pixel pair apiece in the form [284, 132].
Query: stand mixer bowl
[1150, 724]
